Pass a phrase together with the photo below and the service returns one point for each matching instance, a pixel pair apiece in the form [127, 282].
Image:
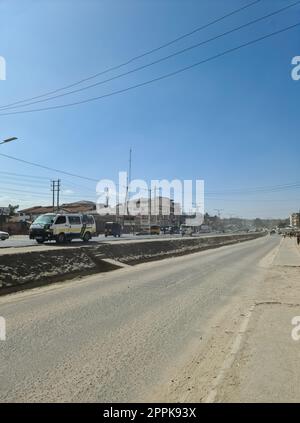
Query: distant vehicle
[272, 232]
[169, 230]
[205, 229]
[186, 230]
[62, 227]
[166, 229]
[4, 235]
[113, 229]
[153, 230]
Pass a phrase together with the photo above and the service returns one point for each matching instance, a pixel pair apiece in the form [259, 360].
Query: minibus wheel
[61, 238]
[86, 237]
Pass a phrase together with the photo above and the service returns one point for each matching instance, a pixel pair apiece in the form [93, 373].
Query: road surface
[24, 241]
[17, 241]
[159, 331]
[22, 244]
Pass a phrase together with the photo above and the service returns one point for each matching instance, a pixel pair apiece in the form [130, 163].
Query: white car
[4, 236]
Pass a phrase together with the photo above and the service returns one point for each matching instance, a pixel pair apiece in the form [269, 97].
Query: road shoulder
[266, 367]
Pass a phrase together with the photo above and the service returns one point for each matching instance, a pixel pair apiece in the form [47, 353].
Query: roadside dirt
[36, 268]
[266, 366]
[247, 354]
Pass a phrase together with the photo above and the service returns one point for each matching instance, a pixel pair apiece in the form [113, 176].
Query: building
[19, 217]
[4, 211]
[139, 213]
[295, 220]
[76, 207]
[133, 215]
[12, 222]
[4, 215]
[159, 210]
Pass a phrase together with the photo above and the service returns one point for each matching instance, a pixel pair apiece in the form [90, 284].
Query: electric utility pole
[126, 211]
[55, 188]
[128, 181]
[150, 199]
[58, 189]
[53, 195]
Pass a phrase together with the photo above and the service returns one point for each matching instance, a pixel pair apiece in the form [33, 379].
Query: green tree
[12, 210]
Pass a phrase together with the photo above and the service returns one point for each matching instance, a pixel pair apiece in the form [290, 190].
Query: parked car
[4, 235]
[62, 227]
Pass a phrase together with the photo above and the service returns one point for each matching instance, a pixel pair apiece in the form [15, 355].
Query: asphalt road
[24, 241]
[134, 334]
[19, 241]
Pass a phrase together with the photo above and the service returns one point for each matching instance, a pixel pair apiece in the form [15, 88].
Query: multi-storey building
[295, 220]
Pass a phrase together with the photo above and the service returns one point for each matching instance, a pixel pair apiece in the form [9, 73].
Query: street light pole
[8, 140]
[4, 142]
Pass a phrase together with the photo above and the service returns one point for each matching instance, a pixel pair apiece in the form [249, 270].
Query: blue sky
[233, 122]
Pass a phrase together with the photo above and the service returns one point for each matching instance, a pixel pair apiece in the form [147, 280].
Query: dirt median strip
[36, 268]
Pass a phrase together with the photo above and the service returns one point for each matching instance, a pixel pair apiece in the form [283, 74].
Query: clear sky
[233, 122]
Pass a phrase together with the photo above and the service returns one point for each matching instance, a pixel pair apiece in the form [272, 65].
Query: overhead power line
[37, 184]
[261, 200]
[42, 195]
[270, 188]
[31, 192]
[37, 180]
[48, 168]
[257, 189]
[159, 78]
[260, 191]
[113, 68]
[23, 176]
[162, 59]
[55, 170]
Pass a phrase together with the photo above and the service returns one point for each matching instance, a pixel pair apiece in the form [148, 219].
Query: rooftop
[76, 207]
